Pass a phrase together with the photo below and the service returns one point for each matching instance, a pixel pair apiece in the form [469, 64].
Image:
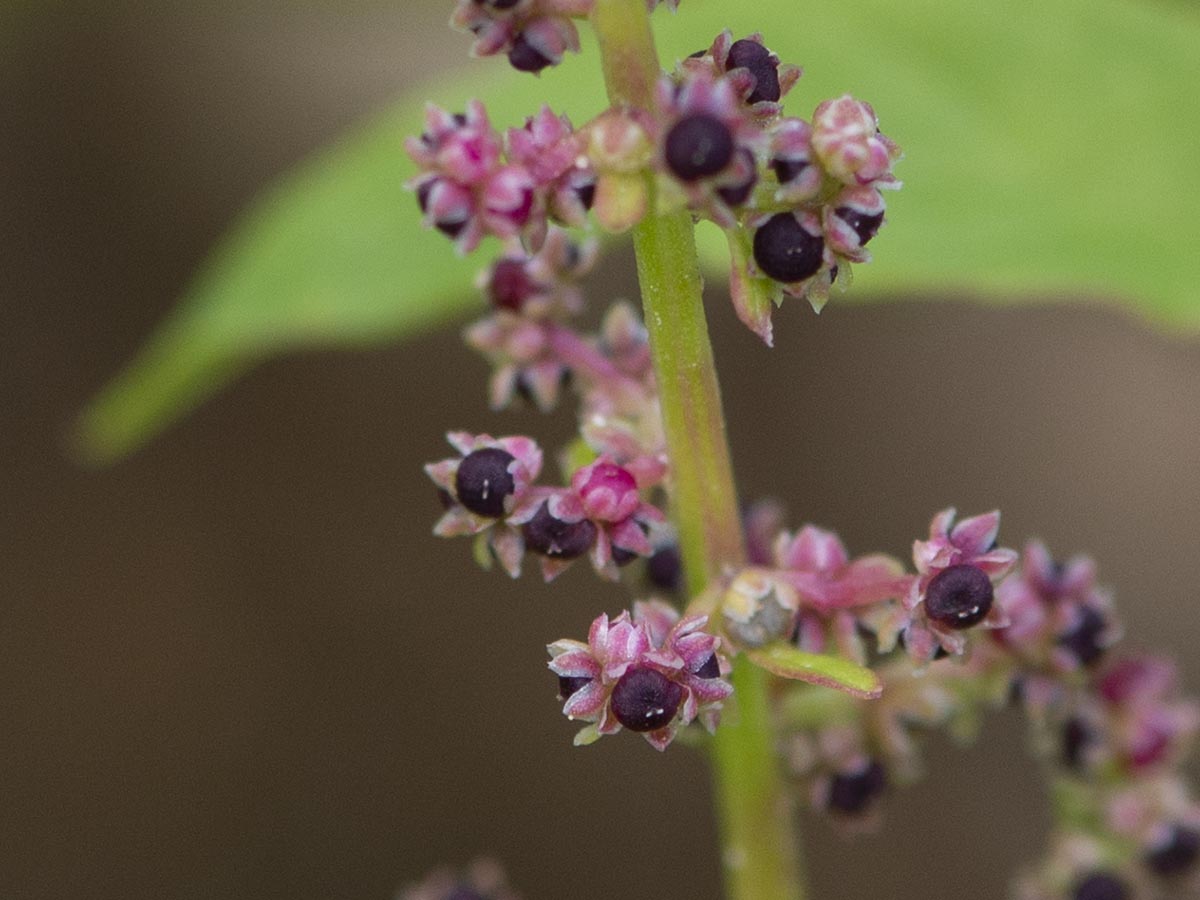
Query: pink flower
[1058, 618]
[954, 590]
[847, 141]
[707, 144]
[489, 488]
[650, 672]
[601, 514]
[464, 189]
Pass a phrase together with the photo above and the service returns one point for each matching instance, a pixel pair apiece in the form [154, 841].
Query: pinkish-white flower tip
[483, 879]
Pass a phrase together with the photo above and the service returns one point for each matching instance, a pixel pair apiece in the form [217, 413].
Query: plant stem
[760, 850]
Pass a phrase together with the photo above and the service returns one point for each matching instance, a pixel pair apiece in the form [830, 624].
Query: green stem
[757, 822]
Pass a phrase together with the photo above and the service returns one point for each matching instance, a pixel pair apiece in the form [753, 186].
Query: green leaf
[786, 661]
[1050, 150]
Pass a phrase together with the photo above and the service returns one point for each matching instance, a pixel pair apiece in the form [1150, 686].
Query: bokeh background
[237, 665]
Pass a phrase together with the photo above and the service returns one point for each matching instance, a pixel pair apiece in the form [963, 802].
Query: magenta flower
[464, 189]
[1147, 725]
[651, 672]
[601, 514]
[488, 489]
[957, 569]
[847, 141]
[831, 588]
[800, 178]
[533, 34]
[754, 72]
[554, 154]
[1058, 618]
[707, 144]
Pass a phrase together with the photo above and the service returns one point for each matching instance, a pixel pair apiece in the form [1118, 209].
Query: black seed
[1084, 639]
[1016, 691]
[423, 193]
[736, 195]
[864, 226]
[788, 169]
[569, 684]
[1100, 886]
[698, 146]
[557, 539]
[450, 229]
[710, 669]
[586, 194]
[785, 251]
[483, 481]
[940, 652]
[664, 568]
[852, 794]
[1177, 855]
[510, 285]
[757, 58]
[645, 700]
[623, 557]
[525, 57]
[959, 597]
[1076, 738]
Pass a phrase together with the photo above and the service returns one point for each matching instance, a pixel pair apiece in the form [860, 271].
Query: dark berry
[1084, 640]
[451, 229]
[483, 481]
[586, 194]
[1076, 738]
[664, 568]
[788, 169]
[423, 193]
[645, 700]
[785, 250]
[557, 539]
[1177, 855]
[865, 226]
[621, 556]
[853, 793]
[1100, 886]
[698, 146]
[710, 669]
[757, 58]
[959, 597]
[737, 194]
[569, 684]
[510, 285]
[525, 57]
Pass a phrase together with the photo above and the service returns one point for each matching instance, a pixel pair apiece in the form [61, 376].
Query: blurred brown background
[238, 666]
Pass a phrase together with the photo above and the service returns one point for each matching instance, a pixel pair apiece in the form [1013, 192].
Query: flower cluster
[474, 183]
[798, 200]
[651, 672]
[969, 625]
[489, 491]
[533, 34]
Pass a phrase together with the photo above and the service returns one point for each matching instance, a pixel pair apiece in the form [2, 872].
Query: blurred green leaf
[1051, 149]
